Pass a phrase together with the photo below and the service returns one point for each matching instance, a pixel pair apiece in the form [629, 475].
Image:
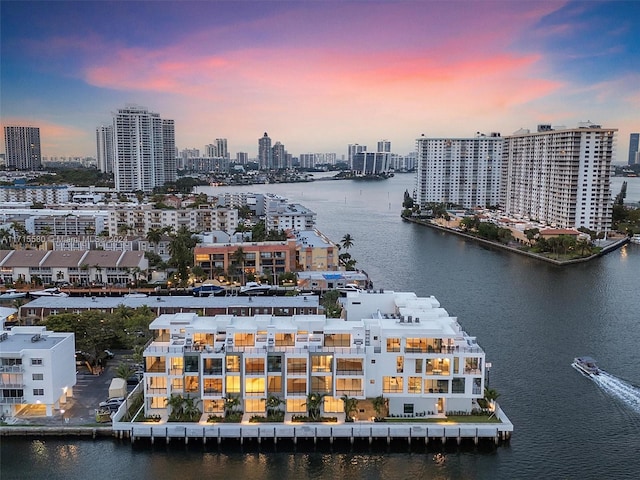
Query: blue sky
[318, 75]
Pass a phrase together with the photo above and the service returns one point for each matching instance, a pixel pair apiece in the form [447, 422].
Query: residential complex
[461, 171]
[144, 150]
[78, 267]
[560, 176]
[37, 368]
[397, 345]
[22, 148]
[104, 148]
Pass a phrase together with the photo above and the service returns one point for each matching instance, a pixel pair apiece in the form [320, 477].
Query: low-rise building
[37, 368]
[396, 345]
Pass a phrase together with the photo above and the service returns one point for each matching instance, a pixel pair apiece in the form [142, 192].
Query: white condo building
[403, 347]
[144, 150]
[560, 176]
[462, 171]
[104, 148]
[37, 368]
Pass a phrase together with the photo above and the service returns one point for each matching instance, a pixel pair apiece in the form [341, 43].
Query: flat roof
[183, 301]
[18, 342]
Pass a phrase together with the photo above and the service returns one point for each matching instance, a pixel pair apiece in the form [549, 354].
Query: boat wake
[623, 391]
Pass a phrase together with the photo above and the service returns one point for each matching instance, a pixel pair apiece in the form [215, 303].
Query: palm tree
[347, 241]
[124, 371]
[237, 257]
[379, 405]
[230, 404]
[314, 404]
[350, 406]
[190, 409]
[490, 394]
[273, 403]
[176, 404]
[154, 235]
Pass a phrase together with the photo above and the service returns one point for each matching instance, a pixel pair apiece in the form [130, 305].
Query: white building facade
[560, 176]
[461, 171]
[37, 367]
[405, 348]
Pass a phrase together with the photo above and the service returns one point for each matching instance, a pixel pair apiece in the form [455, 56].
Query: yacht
[635, 238]
[12, 294]
[135, 295]
[49, 292]
[255, 288]
[207, 289]
[586, 365]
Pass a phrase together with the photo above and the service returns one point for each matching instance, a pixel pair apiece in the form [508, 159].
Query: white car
[112, 402]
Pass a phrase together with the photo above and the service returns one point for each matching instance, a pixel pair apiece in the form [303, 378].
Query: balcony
[11, 369]
[11, 400]
[350, 393]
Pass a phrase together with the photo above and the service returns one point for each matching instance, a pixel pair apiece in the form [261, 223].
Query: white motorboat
[255, 288]
[635, 238]
[49, 292]
[12, 294]
[135, 295]
[350, 287]
[586, 365]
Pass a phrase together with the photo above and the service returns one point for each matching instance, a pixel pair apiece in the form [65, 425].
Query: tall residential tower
[104, 148]
[22, 147]
[462, 171]
[560, 176]
[144, 150]
[634, 152]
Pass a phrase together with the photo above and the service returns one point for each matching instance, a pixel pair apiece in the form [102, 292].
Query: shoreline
[561, 263]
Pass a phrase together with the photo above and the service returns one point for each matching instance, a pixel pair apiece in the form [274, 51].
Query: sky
[319, 75]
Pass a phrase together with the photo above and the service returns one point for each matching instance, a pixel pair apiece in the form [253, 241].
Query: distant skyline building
[384, 146]
[352, 149]
[22, 148]
[279, 156]
[221, 147]
[560, 177]
[242, 158]
[634, 153]
[370, 163]
[461, 171]
[265, 160]
[144, 149]
[104, 148]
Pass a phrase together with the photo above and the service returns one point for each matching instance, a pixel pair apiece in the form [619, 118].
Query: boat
[255, 288]
[207, 289]
[12, 294]
[49, 292]
[135, 295]
[635, 238]
[350, 287]
[586, 365]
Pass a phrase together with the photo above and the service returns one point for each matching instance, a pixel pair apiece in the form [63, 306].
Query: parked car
[112, 402]
[135, 378]
[109, 354]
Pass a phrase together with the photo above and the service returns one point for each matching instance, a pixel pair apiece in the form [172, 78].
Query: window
[415, 385]
[38, 392]
[233, 385]
[393, 344]
[244, 340]
[399, 364]
[233, 363]
[408, 408]
[191, 363]
[296, 386]
[37, 376]
[253, 366]
[36, 361]
[457, 385]
[274, 363]
[321, 363]
[418, 368]
[296, 365]
[392, 384]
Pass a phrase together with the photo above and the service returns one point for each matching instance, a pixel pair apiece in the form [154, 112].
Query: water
[531, 318]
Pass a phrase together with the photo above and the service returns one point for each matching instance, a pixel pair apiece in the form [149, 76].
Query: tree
[181, 250]
[230, 404]
[190, 410]
[380, 405]
[237, 258]
[273, 403]
[314, 405]
[408, 201]
[350, 406]
[154, 235]
[490, 394]
[176, 405]
[124, 371]
[347, 242]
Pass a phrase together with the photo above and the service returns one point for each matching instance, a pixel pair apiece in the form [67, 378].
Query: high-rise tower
[265, 159]
[104, 148]
[22, 148]
[634, 153]
[144, 149]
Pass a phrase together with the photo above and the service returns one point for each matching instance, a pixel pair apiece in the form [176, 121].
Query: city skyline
[319, 78]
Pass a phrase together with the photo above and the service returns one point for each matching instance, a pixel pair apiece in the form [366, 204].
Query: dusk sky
[318, 75]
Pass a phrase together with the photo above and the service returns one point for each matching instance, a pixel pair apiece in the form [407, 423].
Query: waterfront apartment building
[144, 147]
[140, 221]
[634, 150]
[45, 194]
[370, 163]
[37, 369]
[22, 148]
[104, 148]
[281, 215]
[460, 171]
[396, 345]
[352, 150]
[259, 258]
[560, 176]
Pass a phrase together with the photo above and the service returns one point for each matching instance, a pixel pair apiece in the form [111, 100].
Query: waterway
[530, 317]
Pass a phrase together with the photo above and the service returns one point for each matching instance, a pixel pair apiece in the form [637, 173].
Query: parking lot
[88, 392]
